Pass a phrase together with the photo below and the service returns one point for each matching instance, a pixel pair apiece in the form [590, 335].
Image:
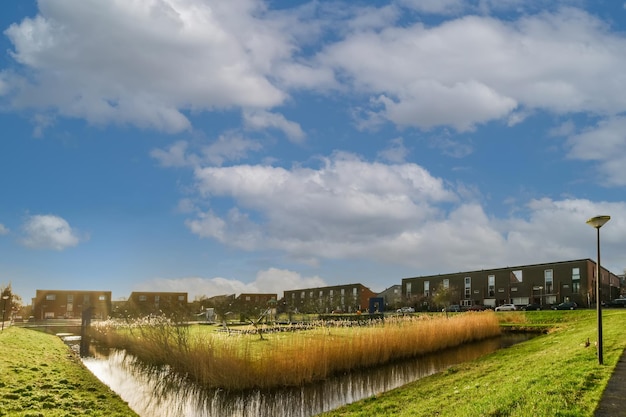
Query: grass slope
[551, 375]
[39, 376]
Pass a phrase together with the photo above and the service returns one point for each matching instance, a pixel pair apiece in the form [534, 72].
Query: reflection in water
[153, 392]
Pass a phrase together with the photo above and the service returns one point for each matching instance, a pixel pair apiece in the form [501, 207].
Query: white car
[506, 307]
[406, 310]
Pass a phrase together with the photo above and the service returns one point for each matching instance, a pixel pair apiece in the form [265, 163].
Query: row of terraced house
[543, 284]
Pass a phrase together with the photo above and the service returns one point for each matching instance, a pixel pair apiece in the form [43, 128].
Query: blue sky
[224, 147]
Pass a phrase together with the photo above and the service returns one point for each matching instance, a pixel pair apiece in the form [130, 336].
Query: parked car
[476, 307]
[532, 307]
[454, 308]
[618, 302]
[506, 307]
[406, 310]
[568, 305]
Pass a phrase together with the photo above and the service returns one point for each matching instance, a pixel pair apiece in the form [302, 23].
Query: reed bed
[245, 361]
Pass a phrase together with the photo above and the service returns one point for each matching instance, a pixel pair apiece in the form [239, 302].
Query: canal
[158, 392]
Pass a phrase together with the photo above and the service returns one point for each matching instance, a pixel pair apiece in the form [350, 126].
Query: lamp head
[598, 221]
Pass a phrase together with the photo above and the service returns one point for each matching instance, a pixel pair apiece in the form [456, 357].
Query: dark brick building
[53, 304]
[544, 284]
[339, 298]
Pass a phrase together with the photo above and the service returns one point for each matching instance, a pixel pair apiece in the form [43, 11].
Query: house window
[70, 298]
[142, 298]
[355, 291]
[491, 285]
[248, 297]
[181, 298]
[426, 288]
[446, 284]
[468, 287]
[321, 293]
[51, 297]
[302, 295]
[576, 280]
[408, 290]
[102, 298]
[549, 280]
[517, 277]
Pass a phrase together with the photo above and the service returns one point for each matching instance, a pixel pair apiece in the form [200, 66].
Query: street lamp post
[597, 222]
[4, 305]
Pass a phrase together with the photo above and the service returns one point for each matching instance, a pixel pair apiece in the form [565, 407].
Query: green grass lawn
[551, 375]
[40, 377]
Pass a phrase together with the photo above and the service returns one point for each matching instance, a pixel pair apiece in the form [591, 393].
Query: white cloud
[3, 230]
[145, 62]
[174, 156]
[444, 7]
[230, 146]
[48, 232]
[263, 119]
[272, 280]
[472, 70]
[396, 152]
[151, 63]
[606, 144]
[373, 18]
[556, 229]
[333, 211]
[395, 214]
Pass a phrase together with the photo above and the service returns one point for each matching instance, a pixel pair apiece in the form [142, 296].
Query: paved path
[613, 402]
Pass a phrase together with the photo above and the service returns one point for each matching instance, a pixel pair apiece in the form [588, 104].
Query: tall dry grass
[240, 362]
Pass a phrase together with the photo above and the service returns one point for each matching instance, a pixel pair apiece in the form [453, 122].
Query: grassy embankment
[40, 377]
[551, 375]
[238, 362]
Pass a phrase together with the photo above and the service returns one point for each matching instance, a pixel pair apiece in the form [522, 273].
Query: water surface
[158, 392]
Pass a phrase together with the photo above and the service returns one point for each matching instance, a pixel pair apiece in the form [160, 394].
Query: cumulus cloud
[48, 232]
[263, 119]
[333, 211]
[151, 64]
[606, 144]
[145, 63]
[210, 55]
[399, 214]
[471, 70]
[272, 280]
[228, 147]
[3, 230]
[174, 156]
[556, 229]
[396, 152]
